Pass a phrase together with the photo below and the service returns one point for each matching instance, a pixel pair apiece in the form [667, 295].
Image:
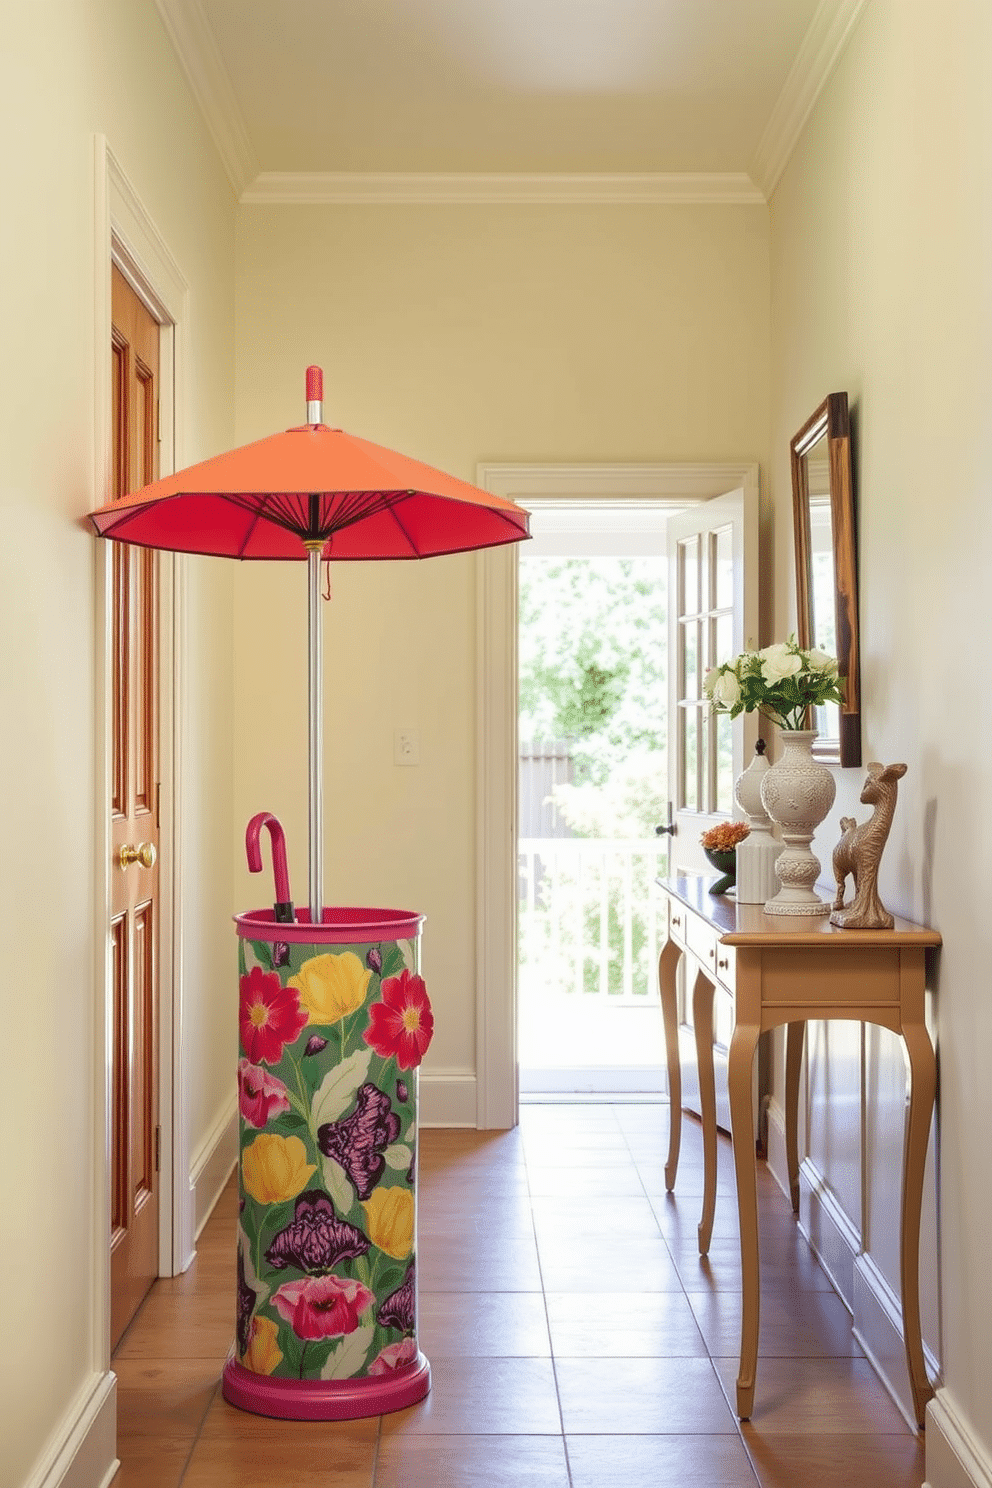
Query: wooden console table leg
[702, 1018]
[667, 968]
[922, 1090]
[793, 1068]
[740, 1065]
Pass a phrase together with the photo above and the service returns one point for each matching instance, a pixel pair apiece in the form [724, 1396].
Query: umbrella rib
[406, 534]
[256, 513]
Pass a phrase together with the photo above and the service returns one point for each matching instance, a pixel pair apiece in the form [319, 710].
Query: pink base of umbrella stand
[325, 1400]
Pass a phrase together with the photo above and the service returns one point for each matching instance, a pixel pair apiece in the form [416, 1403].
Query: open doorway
[592, 788]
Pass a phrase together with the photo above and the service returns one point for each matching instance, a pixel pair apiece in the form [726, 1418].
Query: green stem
[302, 1103]
[303, 1354]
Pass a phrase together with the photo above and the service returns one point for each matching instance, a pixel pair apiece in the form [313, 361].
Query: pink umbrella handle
[284, 911]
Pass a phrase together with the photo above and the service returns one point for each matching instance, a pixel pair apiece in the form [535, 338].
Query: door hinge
[158, 1148]
[158, 418]
[158, 805]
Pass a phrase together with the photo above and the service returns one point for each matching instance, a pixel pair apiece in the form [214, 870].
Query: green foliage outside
[592, 669]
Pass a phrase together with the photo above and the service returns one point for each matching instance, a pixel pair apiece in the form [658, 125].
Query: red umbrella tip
[315, 384]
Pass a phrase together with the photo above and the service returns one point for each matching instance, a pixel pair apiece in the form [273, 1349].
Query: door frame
[497, 1084]
[126, 236]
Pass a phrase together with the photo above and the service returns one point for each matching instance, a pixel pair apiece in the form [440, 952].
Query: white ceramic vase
[757, 854]
[797, 792]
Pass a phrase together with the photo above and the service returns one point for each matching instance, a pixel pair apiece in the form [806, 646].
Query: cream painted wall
[459, 335]
[881, 231]
[68, 70]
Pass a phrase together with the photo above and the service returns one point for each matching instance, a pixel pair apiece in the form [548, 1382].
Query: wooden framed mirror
[826, 568]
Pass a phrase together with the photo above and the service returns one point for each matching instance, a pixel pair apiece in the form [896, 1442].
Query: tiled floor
[575, 1338]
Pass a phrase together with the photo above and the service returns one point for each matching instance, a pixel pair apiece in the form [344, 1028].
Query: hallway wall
[881, 231]
[459, 334]
[69, 70]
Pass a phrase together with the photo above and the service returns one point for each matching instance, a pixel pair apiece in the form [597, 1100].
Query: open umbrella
[316, 493]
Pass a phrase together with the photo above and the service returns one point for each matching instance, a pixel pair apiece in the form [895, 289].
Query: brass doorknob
[145, 855]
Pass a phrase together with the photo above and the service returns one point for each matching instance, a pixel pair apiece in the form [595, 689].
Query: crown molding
[196, 47]
[828, 35]
[344, 188]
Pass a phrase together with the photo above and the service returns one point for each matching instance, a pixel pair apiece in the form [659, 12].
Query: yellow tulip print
[331, 986]
[263, 1354]
[275, 1168]
[390, 1214]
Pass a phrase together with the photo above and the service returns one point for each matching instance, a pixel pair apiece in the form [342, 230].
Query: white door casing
[497, 1097]
[126, 236]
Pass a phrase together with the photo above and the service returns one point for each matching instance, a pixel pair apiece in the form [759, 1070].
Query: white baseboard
[775, 1138]
[83, 1450]
[955, 1457]
[212, 1164]
[448, 1098]
[833, 1236]
[878, 1329]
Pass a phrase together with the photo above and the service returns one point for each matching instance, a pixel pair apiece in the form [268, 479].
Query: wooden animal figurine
[859, 853]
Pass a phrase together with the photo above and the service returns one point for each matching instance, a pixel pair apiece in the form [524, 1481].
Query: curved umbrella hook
[284, 912]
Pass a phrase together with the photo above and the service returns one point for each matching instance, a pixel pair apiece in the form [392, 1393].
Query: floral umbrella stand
[334, 1021]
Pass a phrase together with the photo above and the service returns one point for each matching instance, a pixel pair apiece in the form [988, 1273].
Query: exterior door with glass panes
[713, 614]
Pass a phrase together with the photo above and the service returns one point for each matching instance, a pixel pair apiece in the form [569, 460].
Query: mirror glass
[826, 571]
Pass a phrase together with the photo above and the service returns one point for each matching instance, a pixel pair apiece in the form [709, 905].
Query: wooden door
[134, 827]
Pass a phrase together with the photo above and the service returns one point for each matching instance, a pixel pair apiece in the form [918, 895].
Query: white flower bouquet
[782, 681]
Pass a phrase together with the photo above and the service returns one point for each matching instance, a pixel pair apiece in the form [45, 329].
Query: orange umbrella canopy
[312, 485]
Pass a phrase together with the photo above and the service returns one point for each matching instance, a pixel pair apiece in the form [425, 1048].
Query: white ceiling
[359, 99]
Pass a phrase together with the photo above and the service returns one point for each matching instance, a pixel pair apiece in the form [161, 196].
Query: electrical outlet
[406, 747]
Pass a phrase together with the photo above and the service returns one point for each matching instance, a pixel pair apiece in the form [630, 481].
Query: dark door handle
[667, 829]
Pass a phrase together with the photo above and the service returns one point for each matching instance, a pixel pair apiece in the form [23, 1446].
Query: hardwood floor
[576, 1338]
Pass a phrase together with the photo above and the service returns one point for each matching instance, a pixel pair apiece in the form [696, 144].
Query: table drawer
[701, 941]
[726, 966]
[678, 915]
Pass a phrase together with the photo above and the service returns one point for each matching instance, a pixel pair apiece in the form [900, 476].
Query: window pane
[724, 639]
[690, 758]
[724, 764]
[690, 639]
[723, 543]
[689, 567]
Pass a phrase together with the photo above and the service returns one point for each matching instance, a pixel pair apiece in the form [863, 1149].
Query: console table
[779, 971]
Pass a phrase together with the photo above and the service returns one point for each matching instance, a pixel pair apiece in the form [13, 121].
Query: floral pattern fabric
[330, 1041]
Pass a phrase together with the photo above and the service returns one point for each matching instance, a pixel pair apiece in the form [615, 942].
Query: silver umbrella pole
[315, 690]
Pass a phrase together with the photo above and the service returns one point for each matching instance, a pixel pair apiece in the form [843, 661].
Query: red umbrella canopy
[307, 486]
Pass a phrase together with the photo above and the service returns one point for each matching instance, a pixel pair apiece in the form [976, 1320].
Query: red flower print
[270, 1016]
[322, 1306]
[401, 1024]
[260, 1095]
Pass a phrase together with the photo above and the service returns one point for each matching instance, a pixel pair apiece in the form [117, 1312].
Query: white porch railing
[588, 916]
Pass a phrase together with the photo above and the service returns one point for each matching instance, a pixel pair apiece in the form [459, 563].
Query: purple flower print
[315, 1044]
[399, 1307]
[374, 960]
[402, 1092]
[317, 1239]
[359, 1141]
[246, 1306]
[280, 953]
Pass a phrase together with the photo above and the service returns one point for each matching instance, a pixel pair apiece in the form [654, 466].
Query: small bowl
[725, 863]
